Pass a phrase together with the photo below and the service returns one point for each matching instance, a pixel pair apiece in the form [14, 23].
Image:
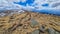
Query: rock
[35, 32]
[51, 31]
[33, 23]
[57, 33]
[42, 29]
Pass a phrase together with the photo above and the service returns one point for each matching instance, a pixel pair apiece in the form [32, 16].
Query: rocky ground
[29, 23]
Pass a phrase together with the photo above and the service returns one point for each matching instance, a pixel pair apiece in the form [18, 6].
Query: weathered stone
[33, 23]
[51, 31]
[42, 29]
[35, 32]
[57, 32]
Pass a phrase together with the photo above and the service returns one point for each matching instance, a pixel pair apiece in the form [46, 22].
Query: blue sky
[24, 3]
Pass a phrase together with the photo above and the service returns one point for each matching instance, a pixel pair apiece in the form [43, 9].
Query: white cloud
[23, 0]
[38, 4]
[9, 4]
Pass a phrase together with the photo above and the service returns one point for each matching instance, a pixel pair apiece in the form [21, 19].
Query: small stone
[51, 31]
[35, 32]
[42, 29]
[33, 23]
[57, 33]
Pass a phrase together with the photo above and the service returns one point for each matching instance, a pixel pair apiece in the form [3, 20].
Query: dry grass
[24, 23]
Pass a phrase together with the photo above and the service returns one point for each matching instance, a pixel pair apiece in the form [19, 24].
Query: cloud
[8, 4]
[23, 0]
[37, 4]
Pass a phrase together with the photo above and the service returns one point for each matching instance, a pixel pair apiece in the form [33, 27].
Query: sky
[31, 5]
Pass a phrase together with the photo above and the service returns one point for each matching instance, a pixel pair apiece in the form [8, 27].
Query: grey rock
[51, 31]
[57, 33]
[33, 23]
[35, 32]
